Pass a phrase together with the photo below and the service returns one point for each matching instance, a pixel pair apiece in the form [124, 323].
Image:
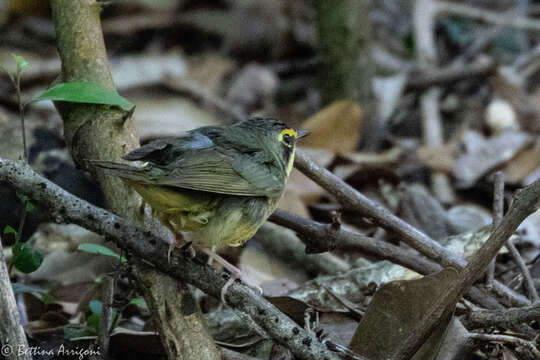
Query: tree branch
[352, 199]
[502, 318]
[12, 334]
[487, 15]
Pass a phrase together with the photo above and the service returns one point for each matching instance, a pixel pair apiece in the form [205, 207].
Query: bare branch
[12, 333]
[503, 318]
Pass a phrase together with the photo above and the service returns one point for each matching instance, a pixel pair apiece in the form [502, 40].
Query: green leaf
[93, 323]
[72, 331]
[140, 302]
[85, 92]
[21, 62]
[26, 258]
[95, 306]
[9, 230]
[99, 249]
[29, 206]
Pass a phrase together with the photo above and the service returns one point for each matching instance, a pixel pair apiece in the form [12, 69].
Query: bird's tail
[124, 171]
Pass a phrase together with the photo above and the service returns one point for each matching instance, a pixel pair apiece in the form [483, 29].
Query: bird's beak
[302, 133]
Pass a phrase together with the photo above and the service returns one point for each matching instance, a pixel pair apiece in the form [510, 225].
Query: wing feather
[205, 160]
[212, 171]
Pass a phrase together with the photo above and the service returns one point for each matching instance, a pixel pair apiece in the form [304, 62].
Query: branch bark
[12, 336]
[506, 318]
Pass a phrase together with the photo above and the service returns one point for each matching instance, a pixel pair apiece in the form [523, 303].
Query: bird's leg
[235, 272]
[179, 241]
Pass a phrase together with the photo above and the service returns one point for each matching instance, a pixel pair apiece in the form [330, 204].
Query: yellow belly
[207, 219]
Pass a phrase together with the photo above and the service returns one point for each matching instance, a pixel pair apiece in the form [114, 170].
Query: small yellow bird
[216, 185]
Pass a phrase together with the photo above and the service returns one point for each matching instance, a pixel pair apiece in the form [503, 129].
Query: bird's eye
[287, 139]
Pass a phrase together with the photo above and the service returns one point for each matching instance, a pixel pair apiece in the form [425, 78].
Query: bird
[216, 185]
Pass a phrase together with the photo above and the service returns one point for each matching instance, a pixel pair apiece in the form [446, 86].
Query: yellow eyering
[290, 132]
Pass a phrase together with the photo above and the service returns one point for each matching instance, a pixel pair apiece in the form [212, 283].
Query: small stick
[106, 316]
[506, 318]
[529, 282]
[12, 333]
[498, 211]
[506, 339]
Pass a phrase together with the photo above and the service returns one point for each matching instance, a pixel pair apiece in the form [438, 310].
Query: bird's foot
[235, 274]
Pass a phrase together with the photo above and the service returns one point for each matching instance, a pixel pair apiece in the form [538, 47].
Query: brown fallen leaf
[387, 157]
[441, 158]
[396, 309]
[526, 162]
[337, 127]
[209, 70]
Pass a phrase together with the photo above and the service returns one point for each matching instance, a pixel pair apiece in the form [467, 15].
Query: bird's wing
[226, 172]
[205, 160]
[163, 151]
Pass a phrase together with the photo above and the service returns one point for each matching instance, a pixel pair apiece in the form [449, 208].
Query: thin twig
[506, 339]
[106, 324]
[21, 113]
[432, 134]
[205, 96]
[527, 278]
[12, 333]
[487, 15]
[507, 318]
[421, 80]
[498, 212]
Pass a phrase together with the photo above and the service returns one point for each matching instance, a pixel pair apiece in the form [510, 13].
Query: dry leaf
[348, 285]
[387, 157]
[441, 158]
[396, 310]
[525, 163]
[337, 127]
[209, 70]
[484, 154]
